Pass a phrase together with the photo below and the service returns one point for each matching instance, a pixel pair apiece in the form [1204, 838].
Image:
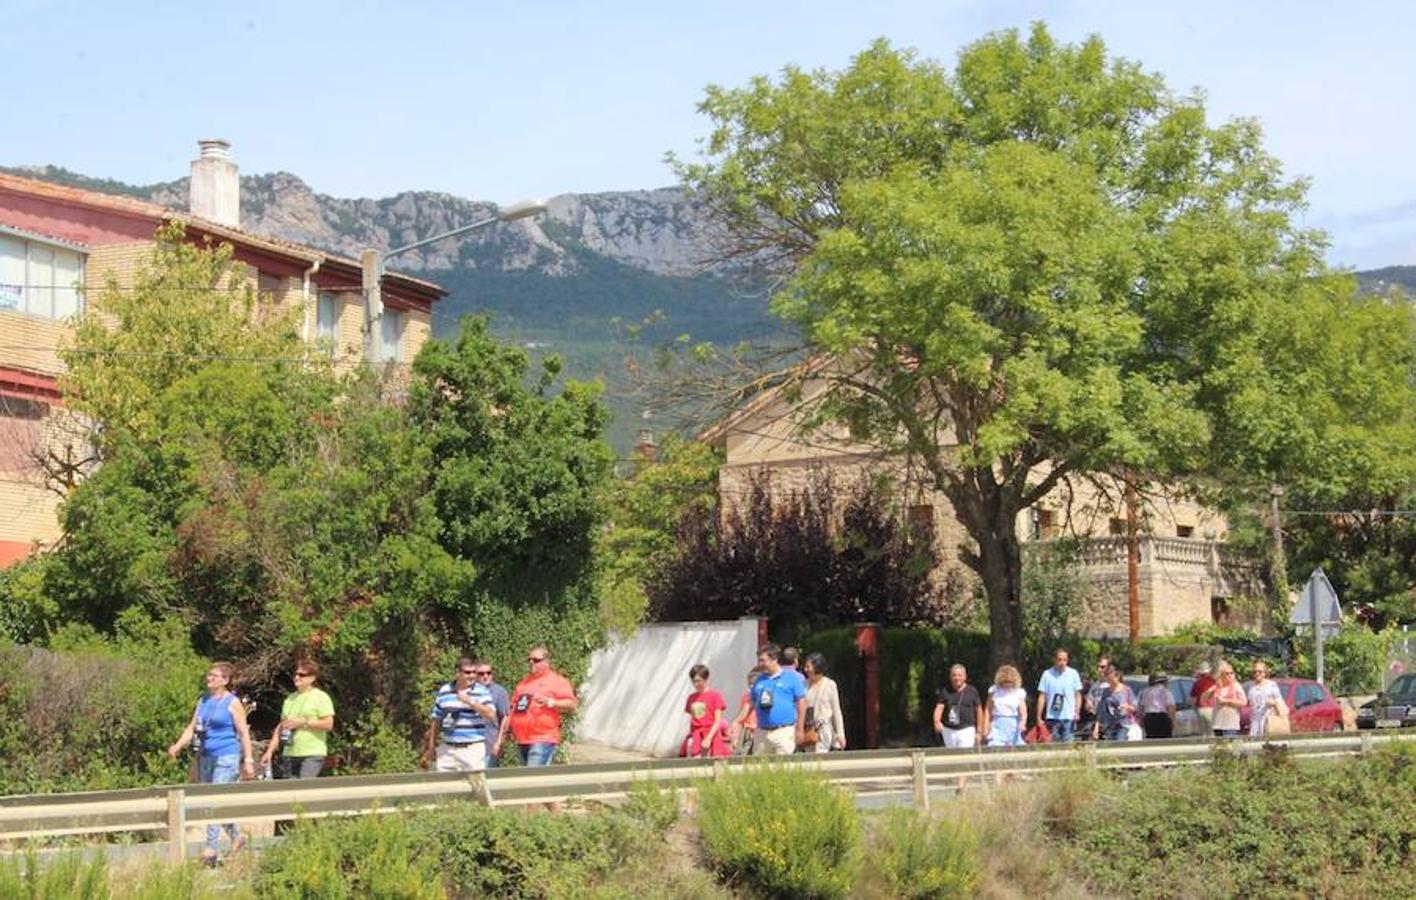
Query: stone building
[60, 245]
[1186, 571]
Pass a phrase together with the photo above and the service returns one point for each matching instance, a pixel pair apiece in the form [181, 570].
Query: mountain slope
[569, 281]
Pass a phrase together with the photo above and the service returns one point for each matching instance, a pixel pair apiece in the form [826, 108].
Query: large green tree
[1038, 264]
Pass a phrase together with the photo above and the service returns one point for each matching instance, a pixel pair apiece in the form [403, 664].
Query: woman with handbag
[825, 724]
[1267, 708]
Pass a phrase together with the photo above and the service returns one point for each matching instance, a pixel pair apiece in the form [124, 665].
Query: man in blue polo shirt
[1059, 698]
[779, 697]
[458, 729]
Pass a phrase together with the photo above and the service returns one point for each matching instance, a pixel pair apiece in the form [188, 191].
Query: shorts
[774, 741]
[540, 753]
[462, 758]
[960, 738]
[1062, 729]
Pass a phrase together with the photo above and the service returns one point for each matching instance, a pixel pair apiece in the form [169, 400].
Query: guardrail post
[1089, 755]
[1366, 743]
[481, 791]
[177, 824]
[920, 779]
[720, 769]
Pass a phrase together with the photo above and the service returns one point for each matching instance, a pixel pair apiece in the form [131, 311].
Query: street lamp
[372, 262]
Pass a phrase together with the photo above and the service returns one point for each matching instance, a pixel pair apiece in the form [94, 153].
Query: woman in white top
[823, 706]
[1158, 707]
[1007, 709]
[1265, 699]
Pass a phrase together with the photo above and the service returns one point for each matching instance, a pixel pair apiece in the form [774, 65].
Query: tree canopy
[1044, 263]
[273, 506]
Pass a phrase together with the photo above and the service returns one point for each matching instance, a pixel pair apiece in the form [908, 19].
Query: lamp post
[372, 263]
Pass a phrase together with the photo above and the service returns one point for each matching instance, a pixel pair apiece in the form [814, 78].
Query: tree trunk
[989, 512]
[1001, 570]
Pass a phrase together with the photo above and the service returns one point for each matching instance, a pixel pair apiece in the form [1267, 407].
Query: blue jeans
[1226, 732]
[538, 754]
[219, 770]
[1062, 729]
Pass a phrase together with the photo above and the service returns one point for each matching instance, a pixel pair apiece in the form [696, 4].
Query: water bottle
[198, 737]
[286, 736]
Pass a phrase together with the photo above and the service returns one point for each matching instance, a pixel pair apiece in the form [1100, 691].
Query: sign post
[1319, 606]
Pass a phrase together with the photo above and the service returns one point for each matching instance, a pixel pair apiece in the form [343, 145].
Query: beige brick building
[1186, 573]
[60, 245]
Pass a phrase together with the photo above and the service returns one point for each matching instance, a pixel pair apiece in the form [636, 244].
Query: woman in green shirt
[306, 719]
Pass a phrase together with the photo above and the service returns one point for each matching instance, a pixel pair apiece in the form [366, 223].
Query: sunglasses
[482, 672]
[535, 659]
[469, 671]
[303, 674]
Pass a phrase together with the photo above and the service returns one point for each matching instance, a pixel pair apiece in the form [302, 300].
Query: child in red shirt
[706, 728]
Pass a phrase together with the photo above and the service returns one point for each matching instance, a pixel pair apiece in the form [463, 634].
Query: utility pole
[1279, 564]
[372, 266]
[1133, 561]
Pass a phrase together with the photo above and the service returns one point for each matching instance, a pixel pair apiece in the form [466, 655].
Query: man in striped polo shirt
[457, 732]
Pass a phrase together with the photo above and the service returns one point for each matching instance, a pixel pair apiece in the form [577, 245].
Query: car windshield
[1403, 688]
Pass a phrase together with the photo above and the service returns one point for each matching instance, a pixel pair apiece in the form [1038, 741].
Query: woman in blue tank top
[222, 742]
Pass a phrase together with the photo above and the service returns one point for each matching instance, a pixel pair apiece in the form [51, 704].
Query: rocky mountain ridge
[659, 231]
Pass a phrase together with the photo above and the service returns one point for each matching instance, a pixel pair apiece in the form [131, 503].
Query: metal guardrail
[175, 808]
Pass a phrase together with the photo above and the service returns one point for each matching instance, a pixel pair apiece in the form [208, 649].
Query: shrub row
[463, 850]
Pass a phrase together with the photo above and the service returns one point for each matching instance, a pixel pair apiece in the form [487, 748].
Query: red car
[1311, 706]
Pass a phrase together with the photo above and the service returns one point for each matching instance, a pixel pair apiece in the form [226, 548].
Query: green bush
[651, 803]
[460, 850]
[1354, 660]
[1268, 823]
[919, 857]
[781, 831]
[66, 877]
[362, 856]
[92, 713]
[72, 876]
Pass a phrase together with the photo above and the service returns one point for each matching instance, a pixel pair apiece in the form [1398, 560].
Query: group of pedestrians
[965, 718]
[470, 719]
[790, 706]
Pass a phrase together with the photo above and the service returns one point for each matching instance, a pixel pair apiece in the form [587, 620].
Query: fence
[174, 809]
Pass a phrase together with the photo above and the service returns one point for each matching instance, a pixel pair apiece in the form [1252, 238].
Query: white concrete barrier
[633, 697]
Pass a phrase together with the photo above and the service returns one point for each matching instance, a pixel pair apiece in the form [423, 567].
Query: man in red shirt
[1203, 705]
[537, 705]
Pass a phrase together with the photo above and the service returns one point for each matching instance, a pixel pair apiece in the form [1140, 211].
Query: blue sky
[503, 101]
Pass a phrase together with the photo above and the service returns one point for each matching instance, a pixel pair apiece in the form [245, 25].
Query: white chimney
[215, 192]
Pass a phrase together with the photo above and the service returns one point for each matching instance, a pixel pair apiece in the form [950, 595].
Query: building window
[391, 344]
[326, 316]
[1184, 531]
[39, 279]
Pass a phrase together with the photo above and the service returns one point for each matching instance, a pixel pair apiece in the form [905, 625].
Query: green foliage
[781, 831]
[1354, 660]
[69, 876]
[1317, 829]
[651, 803]
[920, 857]
[260, 506]
[1052, 596]
[362, 856]
[1082, 271]
[457, 850]
[98, 713]
[27, 612]
[644, 510]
